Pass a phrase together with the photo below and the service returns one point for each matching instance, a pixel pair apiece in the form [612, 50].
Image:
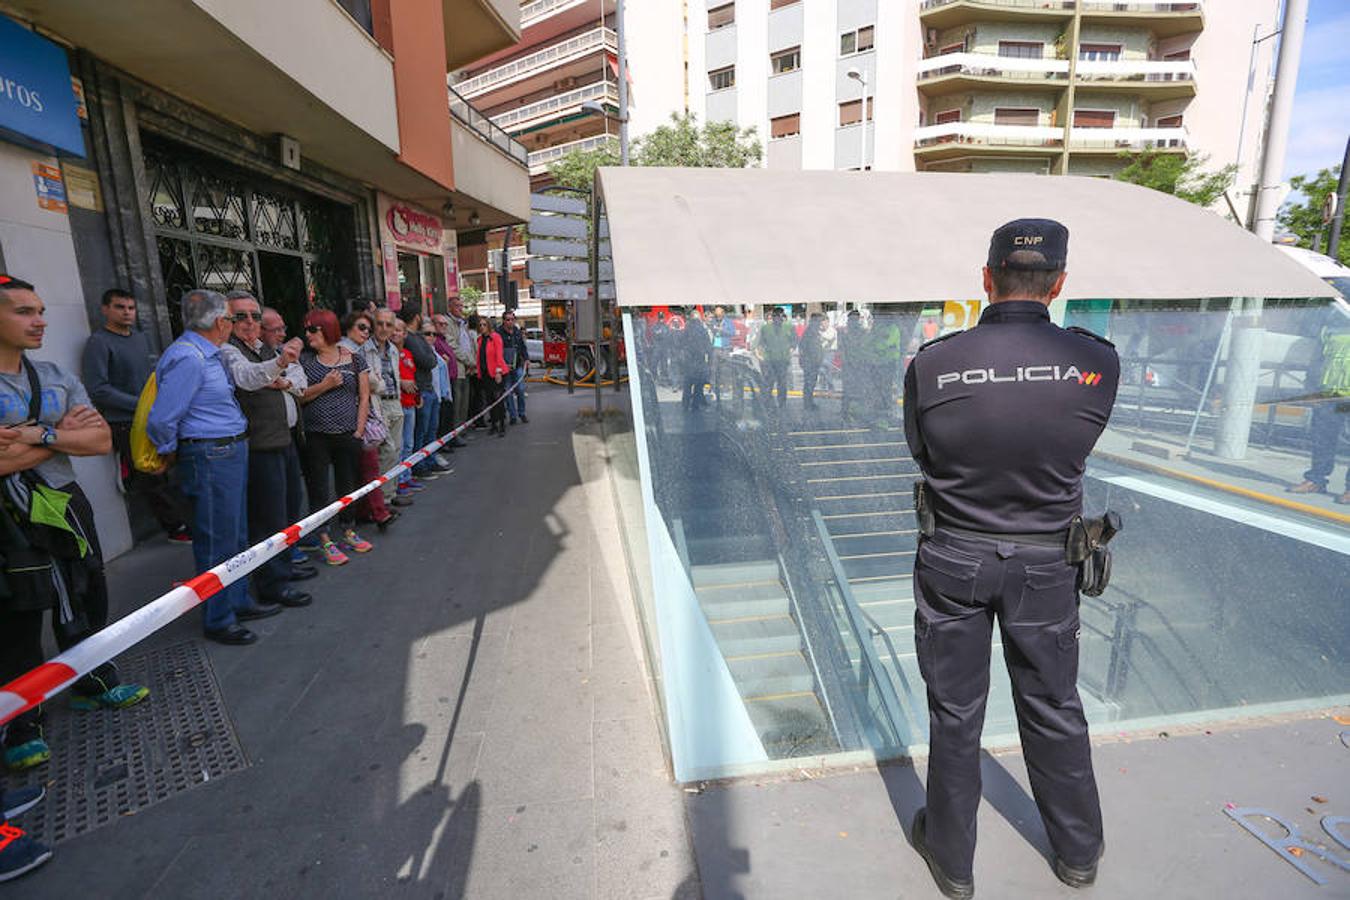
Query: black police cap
[1041, 244]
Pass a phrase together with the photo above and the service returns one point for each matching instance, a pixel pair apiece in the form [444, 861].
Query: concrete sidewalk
[462, 712]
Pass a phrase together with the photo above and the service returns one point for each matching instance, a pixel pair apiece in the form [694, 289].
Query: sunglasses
[363, 327]
[245, 316]
[313, 329]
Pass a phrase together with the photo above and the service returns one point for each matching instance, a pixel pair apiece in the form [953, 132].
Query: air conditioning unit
[565, 84]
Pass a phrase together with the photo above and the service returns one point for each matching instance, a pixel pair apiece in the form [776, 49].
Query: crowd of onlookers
[251, 430]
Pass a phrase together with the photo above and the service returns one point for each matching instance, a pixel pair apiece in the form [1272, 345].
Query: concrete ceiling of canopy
[757, 236]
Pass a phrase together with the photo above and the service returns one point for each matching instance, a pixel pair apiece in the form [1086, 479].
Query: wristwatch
[48, 435]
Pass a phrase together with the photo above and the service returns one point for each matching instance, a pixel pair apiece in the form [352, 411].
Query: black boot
[957, 889]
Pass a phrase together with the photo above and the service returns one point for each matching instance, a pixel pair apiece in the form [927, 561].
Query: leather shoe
[1078, 876]
[401, 501]
[291, 597]
[302, 573]
[235, 634]
[957, 889]
[257, 611]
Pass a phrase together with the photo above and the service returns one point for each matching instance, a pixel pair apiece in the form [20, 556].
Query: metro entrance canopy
[756, 236]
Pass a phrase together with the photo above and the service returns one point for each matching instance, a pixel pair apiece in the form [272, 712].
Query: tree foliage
[1303, 217]
[1181, 176]
[471, 297]
[683, 142]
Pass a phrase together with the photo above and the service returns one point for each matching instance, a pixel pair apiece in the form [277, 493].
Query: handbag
[376, 432]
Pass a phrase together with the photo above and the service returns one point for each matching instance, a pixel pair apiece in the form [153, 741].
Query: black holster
[924, 512]
[1086, 548]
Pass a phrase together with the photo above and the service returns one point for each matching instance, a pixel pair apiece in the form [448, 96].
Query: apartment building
[306, 151]
[1052, 86]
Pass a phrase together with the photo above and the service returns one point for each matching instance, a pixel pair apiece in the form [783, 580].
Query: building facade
[986, 85]
[307, 151]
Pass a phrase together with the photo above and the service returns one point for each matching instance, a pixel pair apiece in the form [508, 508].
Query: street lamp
[860, 76]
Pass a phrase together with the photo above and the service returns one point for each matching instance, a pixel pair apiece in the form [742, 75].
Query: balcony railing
[517, 254]
[540, 159]
[989, 135]
[991, 64]
[1045, 5]
[551, 106]
[1146, 70]
[582, 44]
[530, 12]
[1193, 6]
[1128, 138]
[464, 111]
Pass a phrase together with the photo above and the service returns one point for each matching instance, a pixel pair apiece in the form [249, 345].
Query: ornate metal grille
[211, 221]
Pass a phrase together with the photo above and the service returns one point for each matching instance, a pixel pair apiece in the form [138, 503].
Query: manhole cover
[108, 764]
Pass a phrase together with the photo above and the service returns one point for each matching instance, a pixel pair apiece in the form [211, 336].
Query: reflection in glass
[793, 516]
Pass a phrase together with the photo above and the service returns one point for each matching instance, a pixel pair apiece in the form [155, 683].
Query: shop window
[721, 16]
[785, 126]
[721, 79]
[785, 60]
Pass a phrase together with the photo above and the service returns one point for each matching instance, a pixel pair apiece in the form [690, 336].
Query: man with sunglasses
[266, 381]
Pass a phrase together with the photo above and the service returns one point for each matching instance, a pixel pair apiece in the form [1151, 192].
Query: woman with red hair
[337, 405]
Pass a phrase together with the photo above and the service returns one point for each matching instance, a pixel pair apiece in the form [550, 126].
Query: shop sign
[408, 226]
[36, 97]
[82, 189]
[393, 294]
[51, 191]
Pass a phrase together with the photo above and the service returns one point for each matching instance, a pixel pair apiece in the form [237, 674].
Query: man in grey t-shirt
[65, 426]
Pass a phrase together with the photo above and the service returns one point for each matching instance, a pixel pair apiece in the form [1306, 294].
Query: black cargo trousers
[961, 583]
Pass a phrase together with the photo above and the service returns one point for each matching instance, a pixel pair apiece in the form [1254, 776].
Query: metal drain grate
[110, 763]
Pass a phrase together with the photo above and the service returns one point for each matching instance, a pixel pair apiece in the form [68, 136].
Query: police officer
[1001, 419]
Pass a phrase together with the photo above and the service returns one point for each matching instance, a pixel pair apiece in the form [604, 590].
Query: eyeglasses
[313, 329]
[245, 316]
[363, 328]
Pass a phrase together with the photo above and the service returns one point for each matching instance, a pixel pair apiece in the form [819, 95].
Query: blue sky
[1321, 120]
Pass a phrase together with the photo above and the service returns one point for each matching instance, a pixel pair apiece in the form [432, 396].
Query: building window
[1169, 121]
[779, 4]
[1177, 56]
[958, 47]
[947, 116]
[850, 112]
[856, 41]
[1099, 52]
[721, 79]
[721, 16]
[785, 126]
[1021, 49]
[1013, 115]
[785, 60]
[1094, 118]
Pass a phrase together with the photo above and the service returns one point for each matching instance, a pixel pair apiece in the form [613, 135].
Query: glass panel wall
[774, 465]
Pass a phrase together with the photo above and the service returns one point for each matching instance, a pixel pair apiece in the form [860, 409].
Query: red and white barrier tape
[49, 679]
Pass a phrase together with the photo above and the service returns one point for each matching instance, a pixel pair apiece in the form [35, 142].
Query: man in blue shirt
[196, 421]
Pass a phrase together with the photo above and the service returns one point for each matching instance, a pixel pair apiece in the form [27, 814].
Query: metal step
[830, 503]
[867, 522]
[898, 564]
[749, 637]
[791, 725]
[711, 550]
[756, 601]
[736, 573]
[831, 483]
[878, 448]
[866, 542]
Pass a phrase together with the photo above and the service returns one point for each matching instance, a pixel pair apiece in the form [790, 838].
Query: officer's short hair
[1033, 283]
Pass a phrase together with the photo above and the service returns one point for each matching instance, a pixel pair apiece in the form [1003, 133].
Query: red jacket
[496, 362]
[408, 371]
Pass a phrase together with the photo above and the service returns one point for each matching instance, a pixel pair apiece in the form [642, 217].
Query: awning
[758, 236]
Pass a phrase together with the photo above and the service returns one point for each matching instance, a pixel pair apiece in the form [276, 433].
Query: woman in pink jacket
[491, 370]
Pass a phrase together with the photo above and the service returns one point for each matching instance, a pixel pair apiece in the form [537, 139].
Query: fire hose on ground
[49, 679]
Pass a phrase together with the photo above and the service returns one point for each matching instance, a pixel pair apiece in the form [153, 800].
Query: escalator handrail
[824, 695]
[895, 711]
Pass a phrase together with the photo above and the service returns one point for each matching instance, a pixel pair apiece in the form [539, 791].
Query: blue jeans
[409, 439]
[215, 481]
[428, 417]
[515, 398]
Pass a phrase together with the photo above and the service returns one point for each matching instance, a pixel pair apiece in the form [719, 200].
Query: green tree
[1303, 217]
[681, 143]
[577, 169]
[1181, 176]
[471, 296]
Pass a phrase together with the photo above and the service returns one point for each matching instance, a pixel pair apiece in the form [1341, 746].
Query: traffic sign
[560, 291]
[558, 270]
[560, 203]
[568, 249]
[558, 226]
